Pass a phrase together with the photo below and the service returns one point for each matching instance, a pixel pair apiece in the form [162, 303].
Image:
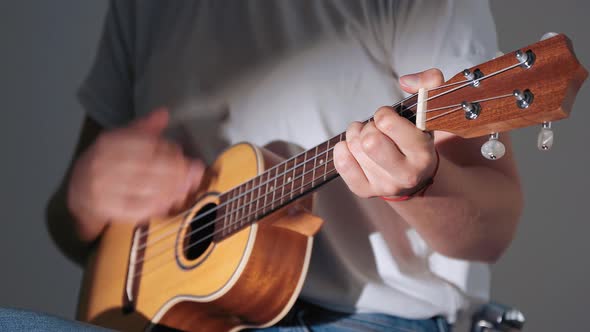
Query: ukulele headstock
[531, 86]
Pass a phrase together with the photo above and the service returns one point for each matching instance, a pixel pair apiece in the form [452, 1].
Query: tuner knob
[545, 138]
[493, 149]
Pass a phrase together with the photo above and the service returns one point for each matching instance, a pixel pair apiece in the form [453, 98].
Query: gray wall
[46, 47]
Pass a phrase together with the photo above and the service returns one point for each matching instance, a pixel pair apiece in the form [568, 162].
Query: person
[174, 83]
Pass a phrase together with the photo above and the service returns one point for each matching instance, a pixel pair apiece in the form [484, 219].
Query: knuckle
[343, 163]
[385, 122]
[383, 111]
[353, 129]
[371, 143]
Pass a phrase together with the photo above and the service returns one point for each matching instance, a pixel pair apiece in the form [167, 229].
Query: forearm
[469, 212]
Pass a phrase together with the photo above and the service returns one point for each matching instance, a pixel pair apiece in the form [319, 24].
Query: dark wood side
[262, 292]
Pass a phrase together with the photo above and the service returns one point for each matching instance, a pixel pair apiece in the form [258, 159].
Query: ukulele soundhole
[200, 232]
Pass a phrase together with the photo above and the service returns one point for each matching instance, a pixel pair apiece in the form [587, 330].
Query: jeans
[22, 320]
[302, 318]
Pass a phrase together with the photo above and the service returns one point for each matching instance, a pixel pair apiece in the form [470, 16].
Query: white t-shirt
[300, 71]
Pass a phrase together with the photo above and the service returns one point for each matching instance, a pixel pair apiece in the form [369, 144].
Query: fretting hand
[388, 156]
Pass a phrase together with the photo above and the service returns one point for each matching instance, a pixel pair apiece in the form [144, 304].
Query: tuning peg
[493, 149]
[545, 138]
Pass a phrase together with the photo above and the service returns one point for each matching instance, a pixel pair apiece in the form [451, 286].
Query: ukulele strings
[162, 224]
[461, 85]
[253, 215]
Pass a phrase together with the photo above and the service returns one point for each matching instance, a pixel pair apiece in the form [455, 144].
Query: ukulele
[238, 255]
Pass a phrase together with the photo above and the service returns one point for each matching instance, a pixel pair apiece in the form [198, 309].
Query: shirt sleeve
[107, 92]
[448, 34]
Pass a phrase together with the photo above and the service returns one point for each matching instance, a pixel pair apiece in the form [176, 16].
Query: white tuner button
[493, 149]
[545, 138]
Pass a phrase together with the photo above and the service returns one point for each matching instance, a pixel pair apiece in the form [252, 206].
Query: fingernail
[410, 81]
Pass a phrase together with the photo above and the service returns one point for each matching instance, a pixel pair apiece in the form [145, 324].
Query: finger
[379, 178]
[380, 148]
[195, 174]
[430, 78]
[409, 139]
[137, 209]
[153, 123]
[350, 170]
[195, 169]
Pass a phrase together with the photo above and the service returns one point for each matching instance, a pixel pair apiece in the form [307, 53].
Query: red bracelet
[421, 190]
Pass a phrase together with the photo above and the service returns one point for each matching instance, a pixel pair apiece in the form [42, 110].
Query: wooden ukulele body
[250, 279]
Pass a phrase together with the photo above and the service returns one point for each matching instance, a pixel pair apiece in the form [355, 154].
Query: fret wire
[259, 188]
[314, 166]
[293, 180]
[326, 160]
[225, 208]
[231, 214]
[284, 180]
[238, 206]
[303, 172]
[255, 200]
[274, 186]
[265, 190]
[247, 202]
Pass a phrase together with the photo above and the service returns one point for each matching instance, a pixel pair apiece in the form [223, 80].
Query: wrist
[419, 190]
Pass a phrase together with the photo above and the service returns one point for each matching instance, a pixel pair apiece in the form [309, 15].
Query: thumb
[430, 78]
[153, 123]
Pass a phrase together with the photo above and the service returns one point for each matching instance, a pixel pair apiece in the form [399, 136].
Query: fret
[326, 159]
[284, 182]
[293, 177]
[257, 196]
[315, 159]
[274, 187]
[229, 212]
[244, 206]
[303, 173]
[224, 198]
[298, 174]
[250, 201]
[265, 190]
[237, 209]
[248, 205]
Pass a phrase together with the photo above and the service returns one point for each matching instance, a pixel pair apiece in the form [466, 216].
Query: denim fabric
[306, 319]
[21, 320]
[310, 318]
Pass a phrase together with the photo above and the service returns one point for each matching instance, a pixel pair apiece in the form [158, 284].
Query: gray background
[46, 48]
